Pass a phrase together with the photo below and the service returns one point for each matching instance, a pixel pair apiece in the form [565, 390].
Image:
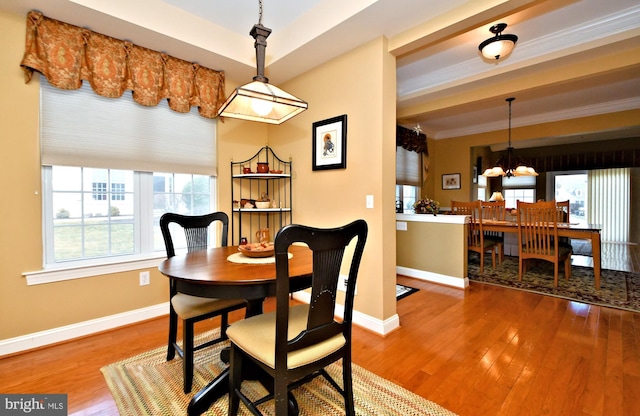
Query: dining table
[225, 273]
[571, 230]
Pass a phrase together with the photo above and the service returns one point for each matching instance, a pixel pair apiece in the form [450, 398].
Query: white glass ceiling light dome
[500, 45]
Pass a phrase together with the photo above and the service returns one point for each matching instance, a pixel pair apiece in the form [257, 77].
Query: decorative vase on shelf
[263, 167]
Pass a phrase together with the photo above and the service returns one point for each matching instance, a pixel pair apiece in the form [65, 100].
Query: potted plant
[426, 206]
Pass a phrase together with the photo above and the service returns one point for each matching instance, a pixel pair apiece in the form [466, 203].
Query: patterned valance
[408, 139]
[67, 54]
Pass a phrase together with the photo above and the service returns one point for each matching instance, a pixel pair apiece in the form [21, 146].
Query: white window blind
[80, 128]
[610, 202]
[408, 167]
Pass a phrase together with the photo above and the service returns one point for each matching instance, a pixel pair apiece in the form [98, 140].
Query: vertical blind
[610, 202]
[81, 128]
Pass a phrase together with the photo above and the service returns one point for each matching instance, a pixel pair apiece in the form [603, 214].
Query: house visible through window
[99, 191]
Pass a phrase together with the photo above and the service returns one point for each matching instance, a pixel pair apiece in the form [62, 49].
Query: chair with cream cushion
[294, 344]
[192, 309]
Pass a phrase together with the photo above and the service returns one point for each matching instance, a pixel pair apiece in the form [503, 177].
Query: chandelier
[258, 100]
[508, 165]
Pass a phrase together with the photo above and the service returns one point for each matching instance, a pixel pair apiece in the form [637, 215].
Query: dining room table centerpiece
[426, 206]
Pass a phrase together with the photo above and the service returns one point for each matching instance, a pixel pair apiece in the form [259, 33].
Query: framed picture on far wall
[451, 181]
[330, 143]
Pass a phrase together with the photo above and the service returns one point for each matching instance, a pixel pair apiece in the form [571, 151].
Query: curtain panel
[66, 55]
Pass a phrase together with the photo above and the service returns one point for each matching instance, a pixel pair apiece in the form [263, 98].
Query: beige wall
[360, 84]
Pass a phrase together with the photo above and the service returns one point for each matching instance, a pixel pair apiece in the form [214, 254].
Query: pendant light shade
[258, 100]
[508, 165]
[500, 45]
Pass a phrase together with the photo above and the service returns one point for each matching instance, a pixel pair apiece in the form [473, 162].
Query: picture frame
[451, 181]
[329, 144]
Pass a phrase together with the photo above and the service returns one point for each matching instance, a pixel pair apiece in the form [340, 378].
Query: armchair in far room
[475, 234]
[495, 211]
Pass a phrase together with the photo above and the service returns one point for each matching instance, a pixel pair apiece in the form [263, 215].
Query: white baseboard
[442, 279]
[363, 320]
[65, 333]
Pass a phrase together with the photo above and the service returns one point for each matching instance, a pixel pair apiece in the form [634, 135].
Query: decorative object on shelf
[263, 167]
[498, 46]
[246, 170]
[451, 181]
[426, 206]
[263, 235]
[508, 165]
[259, 100]
[329, 149]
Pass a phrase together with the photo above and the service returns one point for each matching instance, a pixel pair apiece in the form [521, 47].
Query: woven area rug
[617, 289]
[149, 385]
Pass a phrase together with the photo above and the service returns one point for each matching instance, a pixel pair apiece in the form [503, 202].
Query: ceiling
[443, 83]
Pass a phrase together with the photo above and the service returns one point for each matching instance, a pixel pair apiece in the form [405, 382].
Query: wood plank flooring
[484, 351]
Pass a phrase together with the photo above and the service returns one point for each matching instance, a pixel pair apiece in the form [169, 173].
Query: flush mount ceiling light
[500, 45]
[508, 165]
[259, 100]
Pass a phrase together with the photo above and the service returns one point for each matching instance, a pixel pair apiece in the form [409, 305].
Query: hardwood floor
[484, 351]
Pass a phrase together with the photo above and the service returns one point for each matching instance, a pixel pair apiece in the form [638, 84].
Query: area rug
[149, 385]
[403, 291]
[617, 289]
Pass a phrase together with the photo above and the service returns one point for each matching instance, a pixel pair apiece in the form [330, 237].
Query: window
[518, 188]
[107, 184]
[408, 177]
[406, 195]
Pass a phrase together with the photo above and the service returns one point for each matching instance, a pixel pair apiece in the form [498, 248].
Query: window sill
[60, 274]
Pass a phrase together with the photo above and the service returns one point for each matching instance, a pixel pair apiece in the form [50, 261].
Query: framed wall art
[330, 143]
[451, 181]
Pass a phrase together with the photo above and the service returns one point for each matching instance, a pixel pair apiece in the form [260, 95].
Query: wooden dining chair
[294, 344]
[538, 237]
[192, 309]
[495, 211]
[476, 240]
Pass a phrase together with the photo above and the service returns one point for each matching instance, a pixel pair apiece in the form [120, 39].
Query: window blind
[407, 167]
[81, 128]
[609, 202]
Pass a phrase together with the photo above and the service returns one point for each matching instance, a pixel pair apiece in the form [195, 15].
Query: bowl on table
[257, 249]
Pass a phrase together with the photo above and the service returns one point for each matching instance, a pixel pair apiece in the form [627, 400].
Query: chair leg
[187, 359]
[224, 323]
[567, 268]
[347, 382]
[173, 333]
[520, 268]
[493, 256]
[481, 262]
[235, 380]
[281, 396]
[555, 274]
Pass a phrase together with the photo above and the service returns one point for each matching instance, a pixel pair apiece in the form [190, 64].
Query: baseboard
[442, 279]
[363, 320]
[68, 332]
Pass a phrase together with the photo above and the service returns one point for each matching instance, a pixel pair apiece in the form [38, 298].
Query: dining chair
[294, 344]
[191, 309]
[538, 237]
[495, 211]
[476, 240]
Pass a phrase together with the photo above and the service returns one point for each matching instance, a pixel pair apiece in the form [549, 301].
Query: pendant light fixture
[500, 45]
[508, 165]
[259, 100]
